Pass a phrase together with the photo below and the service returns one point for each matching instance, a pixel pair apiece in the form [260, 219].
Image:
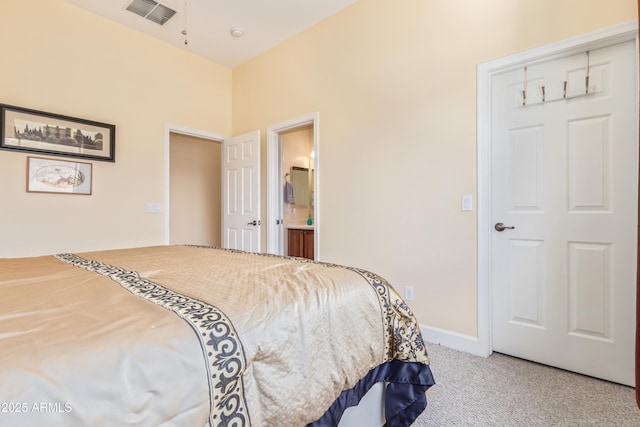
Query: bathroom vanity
[300, 241]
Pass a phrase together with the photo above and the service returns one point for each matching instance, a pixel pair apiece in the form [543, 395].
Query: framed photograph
[37, 131]
[58, 176]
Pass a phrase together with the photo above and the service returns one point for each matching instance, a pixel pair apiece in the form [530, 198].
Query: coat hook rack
[544, 97]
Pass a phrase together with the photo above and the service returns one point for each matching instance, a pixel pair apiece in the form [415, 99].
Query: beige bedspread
[185, 336]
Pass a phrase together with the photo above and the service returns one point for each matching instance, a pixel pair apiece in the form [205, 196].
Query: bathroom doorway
[292, 200]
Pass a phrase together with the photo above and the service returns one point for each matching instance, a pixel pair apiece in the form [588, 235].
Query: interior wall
[396, 97]
[59, 58]
[395, 87]
[638, 290]
[195, 191]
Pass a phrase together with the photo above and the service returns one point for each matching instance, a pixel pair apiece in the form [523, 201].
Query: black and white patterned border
[407, 343]
[220, 342]
[402, 337]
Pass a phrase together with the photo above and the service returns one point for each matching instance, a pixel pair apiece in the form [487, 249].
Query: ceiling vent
[151, 10]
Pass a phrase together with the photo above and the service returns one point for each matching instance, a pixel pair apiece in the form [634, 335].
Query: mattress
[196, 336]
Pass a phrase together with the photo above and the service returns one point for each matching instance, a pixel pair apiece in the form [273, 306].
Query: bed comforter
[191, 336]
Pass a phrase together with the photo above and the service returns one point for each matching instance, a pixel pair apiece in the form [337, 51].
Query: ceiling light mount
[184, 32]
[236, 32]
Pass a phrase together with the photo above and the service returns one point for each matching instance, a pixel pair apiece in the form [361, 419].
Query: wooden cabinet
[300, 243]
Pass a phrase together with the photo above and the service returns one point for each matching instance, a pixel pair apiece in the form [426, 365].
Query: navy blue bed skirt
[405, 397]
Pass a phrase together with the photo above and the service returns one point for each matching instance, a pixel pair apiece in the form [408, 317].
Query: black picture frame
[24, 129]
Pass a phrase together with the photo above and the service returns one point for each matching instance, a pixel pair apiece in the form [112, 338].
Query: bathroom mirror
[300, 181]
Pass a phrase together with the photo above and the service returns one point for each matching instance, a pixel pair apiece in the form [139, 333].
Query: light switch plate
[152, 207]
[408, 293]
[467, 203]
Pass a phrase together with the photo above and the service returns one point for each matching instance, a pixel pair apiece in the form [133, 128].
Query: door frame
[274, 179]
[598, 39]
[170, 128]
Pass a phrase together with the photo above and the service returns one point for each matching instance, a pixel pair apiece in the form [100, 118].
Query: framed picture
[37, 131]
[58, 176]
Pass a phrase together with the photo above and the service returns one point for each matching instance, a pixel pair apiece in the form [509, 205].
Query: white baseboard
[450, 339]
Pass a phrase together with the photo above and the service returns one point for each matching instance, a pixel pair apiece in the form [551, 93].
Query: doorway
[277, 177]
[296, 146]
[591, 308]
[195, 187]
[183, 199]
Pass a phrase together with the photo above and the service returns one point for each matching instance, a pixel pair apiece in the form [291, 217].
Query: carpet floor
[505, 391]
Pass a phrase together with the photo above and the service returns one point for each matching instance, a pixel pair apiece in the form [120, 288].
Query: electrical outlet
[408, 293]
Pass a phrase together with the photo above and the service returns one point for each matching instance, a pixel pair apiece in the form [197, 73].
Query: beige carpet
[505, 391]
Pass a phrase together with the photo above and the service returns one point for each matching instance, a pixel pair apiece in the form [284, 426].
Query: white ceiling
[208, 22]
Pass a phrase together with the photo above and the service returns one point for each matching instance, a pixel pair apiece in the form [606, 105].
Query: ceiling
[265, 23]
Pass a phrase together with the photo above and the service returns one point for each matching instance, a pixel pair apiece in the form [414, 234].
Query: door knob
[254, 222]
[501, 227]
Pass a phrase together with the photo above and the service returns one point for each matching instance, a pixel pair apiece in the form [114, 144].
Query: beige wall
[395, 86]
[59, 58]
[195, 191]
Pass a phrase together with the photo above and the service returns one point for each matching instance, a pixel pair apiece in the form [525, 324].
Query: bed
[199, 336]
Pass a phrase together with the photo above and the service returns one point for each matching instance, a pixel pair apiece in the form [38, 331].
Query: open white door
[564, 184]
[241, 192]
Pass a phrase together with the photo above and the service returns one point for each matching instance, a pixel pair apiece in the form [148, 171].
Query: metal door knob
[254, 222]
[501, 227]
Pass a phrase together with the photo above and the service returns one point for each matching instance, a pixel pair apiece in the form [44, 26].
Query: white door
[564, 175]
[241, 192]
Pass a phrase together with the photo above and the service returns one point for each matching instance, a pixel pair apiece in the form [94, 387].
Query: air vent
[151, 10]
